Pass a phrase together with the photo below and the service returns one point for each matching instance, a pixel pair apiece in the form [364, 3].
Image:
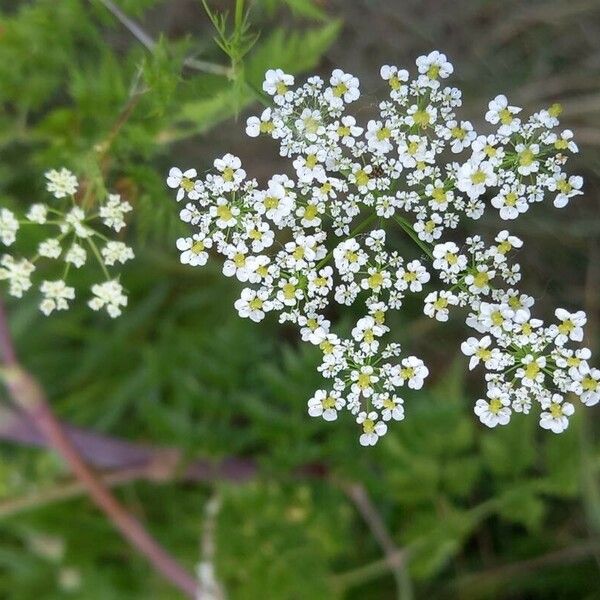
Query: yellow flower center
[266, 127]
[368, 426]
[561, 144]
[566, 327]
[439, 195]
[407, 373]
[495, 405]
[441, 303]
[383, 134]
[339, 90]
[329, 402]
[271, 202]
[389, 404]
[497, 318]
[458, 133]
[256, 304]
[326, 347]
[532, 370]
[362, 177]
[526, 157]
[564, 186]
[364, 381]
[289, 291]
[589, 384]
[224, 212]
[311, 125]
[506, 117]
[478, 177]
[504, 247]
[490, 151]
[187, 184]
[413, 148]
[483, 354]
[310, 212]
[556, 410]
[311, 161]
[433, 72]
[239, 259]
[555, 110]
[421, 118]
[198, 247]
[481, 279]
[375, 280]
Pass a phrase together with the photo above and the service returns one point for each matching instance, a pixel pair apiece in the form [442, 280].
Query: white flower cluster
[302, 244]
[74, 238]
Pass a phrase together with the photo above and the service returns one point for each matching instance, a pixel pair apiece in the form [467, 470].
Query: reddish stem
[28, 396]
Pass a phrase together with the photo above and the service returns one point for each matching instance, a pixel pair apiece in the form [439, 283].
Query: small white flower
[474, 177]
[231, 172]
[571, 326]
[478, 350]
[18, 274]
[253, 304]
[115, 252]
[494, 411]
[76, 255]
[391, 406]
[113, 210]
[277, 84]
[50, 248]
[373, 429]
[500, 112]
[325, 404]
[555, 414]
[437, 303]
[193, 249]
[37, 213]
[344, 88]
[587, 386]
[434, 66]
[567, 188]
[412, 277]
[8, 227]
[183, 182]
[413, 372]
[110, 295]
[61, 183]
[56, 296]
[255, 126]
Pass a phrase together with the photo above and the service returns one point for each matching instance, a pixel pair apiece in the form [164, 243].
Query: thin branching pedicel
[75, 238]
[420, 168]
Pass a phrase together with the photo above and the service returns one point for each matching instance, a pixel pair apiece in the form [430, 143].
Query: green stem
[408, 228]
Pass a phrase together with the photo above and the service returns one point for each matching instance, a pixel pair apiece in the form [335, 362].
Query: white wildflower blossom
[61, 183]
[303, 242]
[9, 226]
[56, 296]
[74, 233]
[108, 295]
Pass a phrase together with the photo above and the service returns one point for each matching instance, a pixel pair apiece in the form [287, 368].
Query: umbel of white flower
[420, 168]
[73, 236]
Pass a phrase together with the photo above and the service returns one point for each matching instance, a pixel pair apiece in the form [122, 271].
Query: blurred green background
[510, 513]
